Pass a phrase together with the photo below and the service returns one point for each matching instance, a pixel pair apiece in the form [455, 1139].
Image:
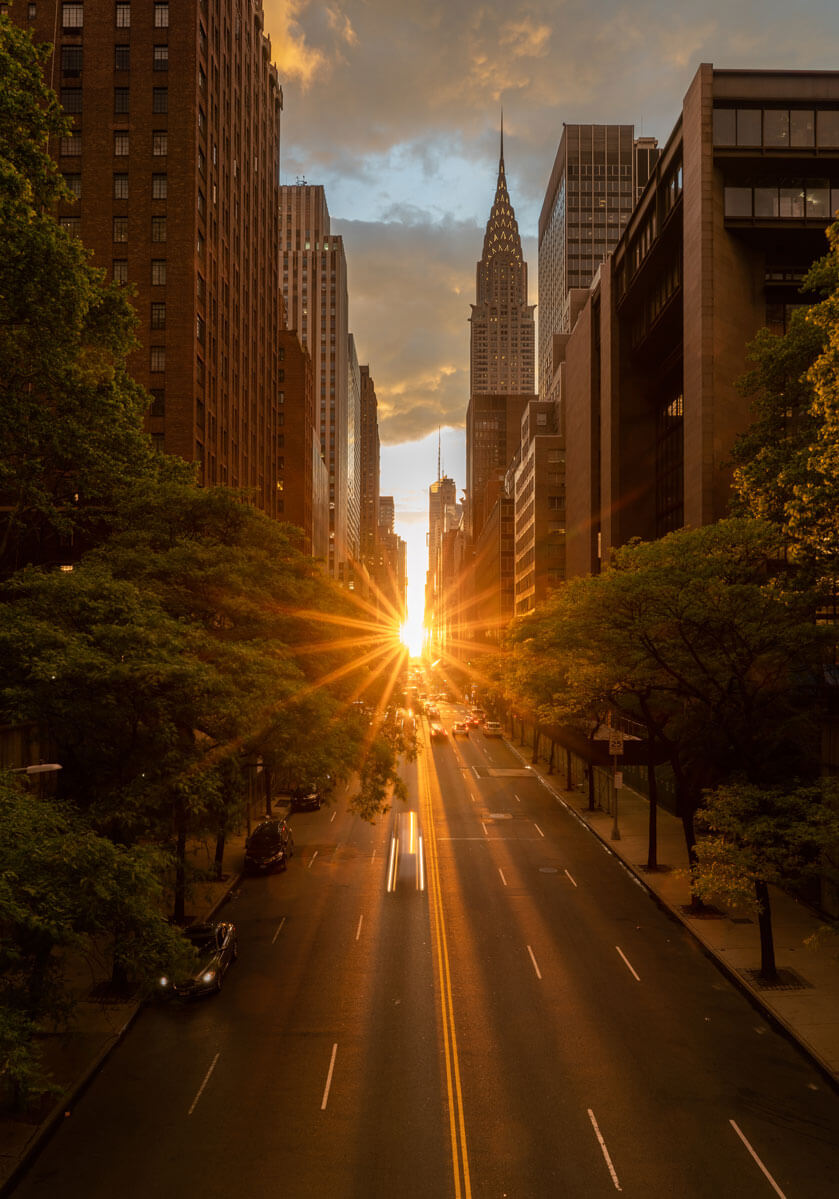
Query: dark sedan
[269, 847]
[216, 946]
[305, 799]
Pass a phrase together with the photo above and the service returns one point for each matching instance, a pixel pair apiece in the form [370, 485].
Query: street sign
[618, 779]
[615, 741]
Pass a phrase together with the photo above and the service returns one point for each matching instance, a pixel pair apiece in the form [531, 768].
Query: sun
[412, 636]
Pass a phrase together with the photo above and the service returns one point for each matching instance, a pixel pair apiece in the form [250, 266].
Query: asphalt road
[529, 1025]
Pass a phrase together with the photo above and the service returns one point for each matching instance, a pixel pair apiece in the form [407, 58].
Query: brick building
[173, 162]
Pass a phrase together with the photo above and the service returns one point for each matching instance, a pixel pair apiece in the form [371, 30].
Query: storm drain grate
[787, 980]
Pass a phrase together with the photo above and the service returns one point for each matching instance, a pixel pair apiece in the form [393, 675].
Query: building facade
[493, 433]
[302, 482]
[538, 489]
[353, 452]
[733, 215]
[173, 163]
[314, 289]
[598, 173]
[370, 466]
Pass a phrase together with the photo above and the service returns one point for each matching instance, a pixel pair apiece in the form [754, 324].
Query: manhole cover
[785, 980]
[548, 870]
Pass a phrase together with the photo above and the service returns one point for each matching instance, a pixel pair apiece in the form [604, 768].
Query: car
[438, 733]
[473, 722]
[460, 728]
[269, 847]
[479, 715]
[216, 946]
[432, 712]
[305, 799]
[492, 728]
[406, 864]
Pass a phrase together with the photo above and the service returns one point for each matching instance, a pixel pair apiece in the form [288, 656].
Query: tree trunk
[590, 778]
[218, 862]
[535, 755]
[569, 781]
[768, 970]
[652, 839]
[551, 756]
[266, 774]
[179, 910]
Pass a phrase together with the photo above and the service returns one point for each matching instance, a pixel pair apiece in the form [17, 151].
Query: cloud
[294, 57]
[340, 23]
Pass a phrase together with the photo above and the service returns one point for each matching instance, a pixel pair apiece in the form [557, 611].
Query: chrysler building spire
[502, 320]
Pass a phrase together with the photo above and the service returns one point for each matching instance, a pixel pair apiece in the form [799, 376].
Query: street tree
[71, 437]
[764, 836]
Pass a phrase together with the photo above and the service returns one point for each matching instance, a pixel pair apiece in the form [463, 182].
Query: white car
[493, 729]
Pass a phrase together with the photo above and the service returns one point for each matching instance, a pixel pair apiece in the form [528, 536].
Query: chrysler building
[502, 343]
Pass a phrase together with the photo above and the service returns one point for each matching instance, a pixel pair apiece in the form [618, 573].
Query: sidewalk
[805, 1003]
[74, 1058]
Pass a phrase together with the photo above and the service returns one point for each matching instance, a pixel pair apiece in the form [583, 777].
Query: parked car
[269, 847]
[460, 728]
[438, 733]
[216, 946]
[492, 728]
[305, 799]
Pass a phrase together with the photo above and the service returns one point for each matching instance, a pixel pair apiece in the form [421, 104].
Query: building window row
[776, 128]
[783, 199]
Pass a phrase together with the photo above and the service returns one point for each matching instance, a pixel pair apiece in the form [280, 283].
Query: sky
[394, 106]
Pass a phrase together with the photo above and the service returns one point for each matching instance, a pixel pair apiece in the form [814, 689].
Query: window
[158, 272]
[71, 225]
[159, 187]
[121, 143]
[72, 17]
[776, 127]
[828, 128]
[71, 144]
[157, 358]
[157, 440]
[201, 204]
[161, 16]
[160, 61]
[158, 315]
[123, 16]
[119, 269]
[120, 99]
[199, 328]
[160, 99]
[120, 228]
[122, 58]
[71, 61]
[32, 10]
[158, 402]
[120, 185]
[71, 99]
[748, 127]
[738, 201]
[802, 127]
[158, 228]
[74, 185]
[159, 143]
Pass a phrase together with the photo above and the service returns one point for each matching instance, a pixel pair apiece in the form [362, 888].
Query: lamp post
[615, 751]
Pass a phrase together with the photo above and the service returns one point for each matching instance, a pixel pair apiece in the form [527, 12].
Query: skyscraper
[370, 463]
[597, 175]
[502, 339]
[175, 179]
[314, 286]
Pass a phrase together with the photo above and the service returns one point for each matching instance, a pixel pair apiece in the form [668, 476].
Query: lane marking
[203, 1084]
[516, 798]
[535, 965]
[766, 1173]
[332, 817]
[279, 930]
[311, 859]
[503, 879]
[484, 827]
[373, 855]
[430, 793]
[608, 1159]
[358, 930]
[628, 964]
[538, 830]
[325, 1099]
[572, 879]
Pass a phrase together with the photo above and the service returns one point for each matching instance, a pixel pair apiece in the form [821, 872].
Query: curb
[58, 1113]
[758, 1003]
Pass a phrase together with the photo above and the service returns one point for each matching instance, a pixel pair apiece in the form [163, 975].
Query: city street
[525, 1023]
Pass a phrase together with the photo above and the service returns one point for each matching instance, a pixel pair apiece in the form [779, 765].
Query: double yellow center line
[430, 796]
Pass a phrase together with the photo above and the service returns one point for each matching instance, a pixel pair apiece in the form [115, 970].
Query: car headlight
[163, 982]
[208, 976]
